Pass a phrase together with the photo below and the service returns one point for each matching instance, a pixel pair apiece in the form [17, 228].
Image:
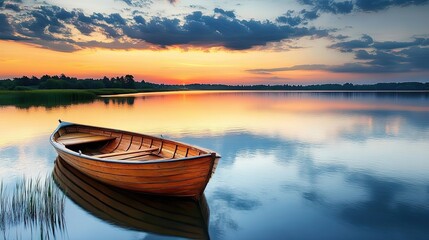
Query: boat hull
[182, 177]
[167, 216]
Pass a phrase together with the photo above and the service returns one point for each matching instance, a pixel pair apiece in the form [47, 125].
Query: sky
[219, 42]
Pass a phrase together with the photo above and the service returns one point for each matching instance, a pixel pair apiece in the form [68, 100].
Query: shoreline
[106, 92]
[261, 91]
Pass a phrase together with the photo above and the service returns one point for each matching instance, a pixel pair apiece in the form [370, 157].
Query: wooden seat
[80, 138]
[120, 155]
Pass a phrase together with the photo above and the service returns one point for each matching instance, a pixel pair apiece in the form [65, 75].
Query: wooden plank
[147, 142]
[169, 181]
[119, 166]
[136, 143]
[187, 188]
[193, 152]
[74, 135]
[81, 140]
[129, 155]
[112, 145]
[128, 152]
[147, 158]
[181, 151]
[142, 172]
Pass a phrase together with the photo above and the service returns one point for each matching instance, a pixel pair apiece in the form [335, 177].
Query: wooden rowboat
[135, 161]
[180, 217]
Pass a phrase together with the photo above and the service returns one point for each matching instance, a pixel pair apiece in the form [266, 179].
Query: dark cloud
[86, 19]
[377, 5]
[309, 15]
[294, 19]
[389, 45]
[366, 41]
[415, 58]
[329, 6]
[128, 2]
[51, 27]
[343, 68]
[418, 57]
[380, 58]
[62, 14]
[84, 28]
[110, 31]
[349, 46]
[368, 68]
[339, 37]
[40, 21]
[216, 30]
[6, 30]
[13, 7]
[345, 7]
[46, 26]
[290, 19]
[384, 56]
[139, 20]
[225, 13]
[115, 19]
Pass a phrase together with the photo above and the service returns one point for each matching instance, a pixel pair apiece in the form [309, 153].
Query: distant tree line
[64, 82]
[322, 87]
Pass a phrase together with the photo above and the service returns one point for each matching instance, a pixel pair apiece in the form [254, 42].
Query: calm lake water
[294, 165]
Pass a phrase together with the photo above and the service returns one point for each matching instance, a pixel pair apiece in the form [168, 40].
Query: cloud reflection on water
[352, 162]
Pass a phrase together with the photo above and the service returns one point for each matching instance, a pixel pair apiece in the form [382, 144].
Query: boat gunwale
[63, 148]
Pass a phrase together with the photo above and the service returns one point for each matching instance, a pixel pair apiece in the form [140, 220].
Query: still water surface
[294, 165]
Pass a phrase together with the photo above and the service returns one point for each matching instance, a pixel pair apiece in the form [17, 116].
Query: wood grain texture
[127, 152]
[87, 138]
[166, 216]
[135, 161]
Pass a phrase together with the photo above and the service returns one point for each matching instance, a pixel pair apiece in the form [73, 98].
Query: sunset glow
[284, 114]
[240, 42]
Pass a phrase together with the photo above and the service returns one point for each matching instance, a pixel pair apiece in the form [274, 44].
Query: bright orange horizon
[280, 42]
[170, 66]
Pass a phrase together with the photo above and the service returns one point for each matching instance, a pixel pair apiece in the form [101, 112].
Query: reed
[35, 204]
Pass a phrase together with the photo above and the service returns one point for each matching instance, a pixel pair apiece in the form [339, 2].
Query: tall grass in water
[33, 204]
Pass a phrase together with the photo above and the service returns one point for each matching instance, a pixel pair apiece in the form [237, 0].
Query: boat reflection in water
[166, 216]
